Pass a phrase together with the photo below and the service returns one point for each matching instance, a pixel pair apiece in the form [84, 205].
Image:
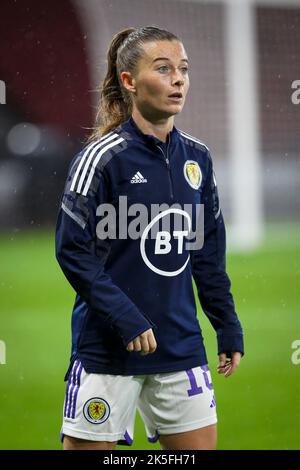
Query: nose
[179, 81]
[177, 78]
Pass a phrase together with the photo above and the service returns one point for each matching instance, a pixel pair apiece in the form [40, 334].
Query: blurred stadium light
[244, 58]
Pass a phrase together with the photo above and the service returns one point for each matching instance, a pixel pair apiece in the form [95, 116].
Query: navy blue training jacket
[127, 285]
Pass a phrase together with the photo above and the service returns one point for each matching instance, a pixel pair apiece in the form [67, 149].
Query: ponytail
[124, 52]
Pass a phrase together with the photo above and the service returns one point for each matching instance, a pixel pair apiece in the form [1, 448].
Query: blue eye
[163, 68]
[166, 68]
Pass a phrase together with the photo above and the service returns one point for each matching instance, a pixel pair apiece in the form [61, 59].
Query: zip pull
[166, 157]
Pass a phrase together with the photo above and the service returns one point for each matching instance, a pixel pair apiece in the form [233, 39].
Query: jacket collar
[131, 126]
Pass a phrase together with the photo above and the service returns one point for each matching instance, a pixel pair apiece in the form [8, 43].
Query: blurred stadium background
[245, 57]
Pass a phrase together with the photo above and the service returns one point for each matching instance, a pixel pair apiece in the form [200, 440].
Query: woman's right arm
[84, 268]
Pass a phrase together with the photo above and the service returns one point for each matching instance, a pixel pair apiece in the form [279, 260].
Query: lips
[176, 95]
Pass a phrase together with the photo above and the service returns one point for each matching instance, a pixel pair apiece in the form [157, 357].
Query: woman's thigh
[99, 409]
[180, 405]
[73, 443]
[198, 439]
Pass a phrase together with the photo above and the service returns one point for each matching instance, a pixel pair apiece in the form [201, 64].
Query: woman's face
[161, 81]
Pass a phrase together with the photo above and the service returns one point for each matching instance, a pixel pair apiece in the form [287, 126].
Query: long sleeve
[209, 272]
[82, 258]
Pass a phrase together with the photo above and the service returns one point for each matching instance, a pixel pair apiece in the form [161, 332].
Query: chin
[176, 109]
[173, 109]
[167, 112]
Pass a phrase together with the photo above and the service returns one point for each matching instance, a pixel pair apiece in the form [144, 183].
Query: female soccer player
[136, 340]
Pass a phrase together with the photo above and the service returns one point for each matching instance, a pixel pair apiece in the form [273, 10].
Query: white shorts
[102, 407]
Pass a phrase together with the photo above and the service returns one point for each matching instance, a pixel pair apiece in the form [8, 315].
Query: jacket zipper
[167, 160]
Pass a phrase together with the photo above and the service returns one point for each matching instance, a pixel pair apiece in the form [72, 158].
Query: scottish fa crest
[192, 173]
[96, 410]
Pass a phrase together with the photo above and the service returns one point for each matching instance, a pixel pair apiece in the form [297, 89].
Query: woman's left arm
[212, 281]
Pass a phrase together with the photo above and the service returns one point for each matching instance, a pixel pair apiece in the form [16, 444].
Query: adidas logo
[138, 178]
[213, 402]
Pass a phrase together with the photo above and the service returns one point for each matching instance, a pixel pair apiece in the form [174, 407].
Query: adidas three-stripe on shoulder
[86, 168]
[193, 139]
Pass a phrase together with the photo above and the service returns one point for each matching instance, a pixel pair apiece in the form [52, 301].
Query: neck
[160, 128]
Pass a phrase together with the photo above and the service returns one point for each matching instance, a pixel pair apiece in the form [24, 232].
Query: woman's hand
[145, 343]
[228, 366]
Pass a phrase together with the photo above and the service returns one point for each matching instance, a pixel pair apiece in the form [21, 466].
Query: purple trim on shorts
[77, 367]
[69, 387]
[153, 439]
[76, 391]
[61, 436]
[67, 391]
[127, 441]
[128, 438]
[73, 373]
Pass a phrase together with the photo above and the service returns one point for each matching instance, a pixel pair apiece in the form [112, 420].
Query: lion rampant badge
[192, 173]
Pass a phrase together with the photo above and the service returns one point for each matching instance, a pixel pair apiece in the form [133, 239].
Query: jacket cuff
[228, 343]
[131, 324]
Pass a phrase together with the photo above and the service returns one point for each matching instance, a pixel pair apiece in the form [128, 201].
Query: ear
[128, 81]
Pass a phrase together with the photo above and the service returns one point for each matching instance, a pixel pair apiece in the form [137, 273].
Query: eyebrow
[166, 58]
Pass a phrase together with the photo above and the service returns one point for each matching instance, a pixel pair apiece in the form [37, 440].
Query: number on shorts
[195, 388]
